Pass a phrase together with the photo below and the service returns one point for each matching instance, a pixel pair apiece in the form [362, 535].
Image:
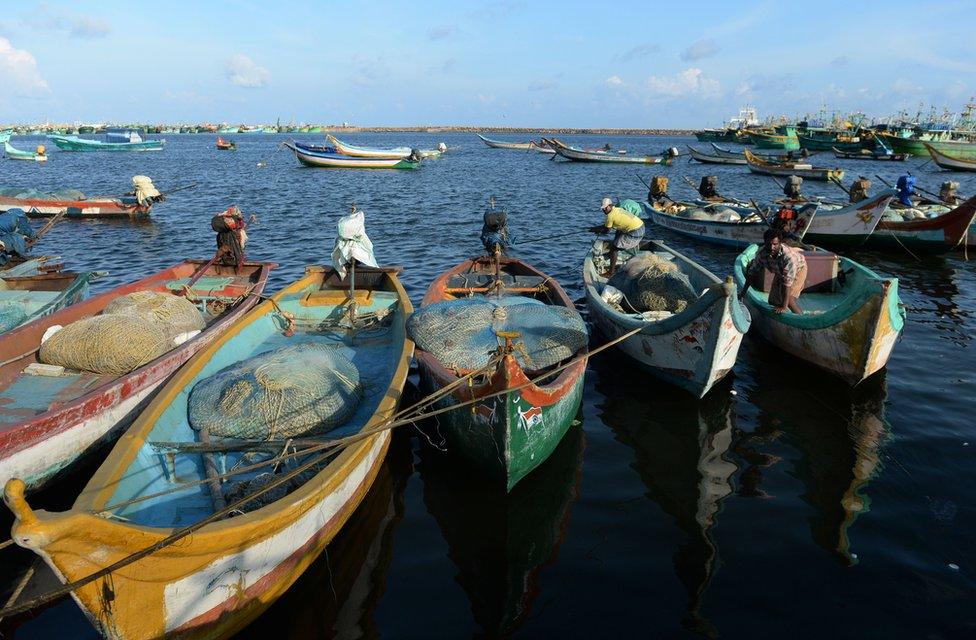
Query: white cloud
[18, 70]
[687, 82]
[614, 81]
[699, 50]
[243, 72]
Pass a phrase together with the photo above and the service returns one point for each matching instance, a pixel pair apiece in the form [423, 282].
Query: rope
[5, 544]
[20, 586]
[282, 480]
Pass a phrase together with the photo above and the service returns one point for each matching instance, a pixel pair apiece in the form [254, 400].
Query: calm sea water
[784, 504]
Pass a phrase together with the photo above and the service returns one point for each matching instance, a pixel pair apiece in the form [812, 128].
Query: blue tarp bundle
[15, 231]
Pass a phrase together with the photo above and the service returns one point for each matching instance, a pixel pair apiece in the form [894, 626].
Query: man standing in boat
[789, 269]
[628, 227]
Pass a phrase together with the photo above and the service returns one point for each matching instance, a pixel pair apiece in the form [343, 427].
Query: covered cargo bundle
[463, 333]
[652, 283]
[298, 390]
[145, 191]
[112, 344]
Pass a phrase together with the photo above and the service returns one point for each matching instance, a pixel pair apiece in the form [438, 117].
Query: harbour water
[784, 504]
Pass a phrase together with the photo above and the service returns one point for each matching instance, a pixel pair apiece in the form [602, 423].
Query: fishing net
[652, 283]
[112, 344]
[462, 334]
[36, 194]
[11, 316]
[298, 390]
[175, 314]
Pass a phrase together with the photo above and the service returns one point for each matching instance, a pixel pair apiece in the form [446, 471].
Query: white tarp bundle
[352, 243]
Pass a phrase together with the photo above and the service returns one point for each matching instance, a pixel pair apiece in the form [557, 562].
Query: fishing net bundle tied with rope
[298, 390]
[131, 331]
[652, 283]
[463, 333]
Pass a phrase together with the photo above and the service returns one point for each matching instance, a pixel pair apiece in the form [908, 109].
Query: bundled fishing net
[298, 390]
[652, 283]
[37, 194]
[11, 315]
[113, 344]
[462, 334]
[174, 313]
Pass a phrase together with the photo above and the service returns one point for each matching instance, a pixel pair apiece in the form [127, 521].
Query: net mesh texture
[653, 283]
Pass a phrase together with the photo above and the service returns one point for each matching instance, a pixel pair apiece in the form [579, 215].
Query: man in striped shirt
[789, 269]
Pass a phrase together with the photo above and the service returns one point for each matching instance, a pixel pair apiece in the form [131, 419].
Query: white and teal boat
[134, 143]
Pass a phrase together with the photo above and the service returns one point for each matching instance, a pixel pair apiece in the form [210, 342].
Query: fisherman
[947, 193]
[906, 189]
[789, 269]
[708, 189]
[231, 236]
[628, 228]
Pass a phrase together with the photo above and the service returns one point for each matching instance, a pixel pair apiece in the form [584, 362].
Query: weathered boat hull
[849, 226]
[96, 208]
[931, 236]
[869, 155]
[729, 234]
[578, 155]
[310, 158]
[852, 340]
[214, 582]
[710, 159]
[950, 162]
[812, 143]
[37, 445]
[773, 141]
[914, 146]
[760, 166]
[498, 144]
[693, 349]
[957, 149]
[71, 288]
[17, 154]
[73, 143]
[715, 135]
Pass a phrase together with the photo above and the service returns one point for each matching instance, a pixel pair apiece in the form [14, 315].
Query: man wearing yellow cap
[628, 227]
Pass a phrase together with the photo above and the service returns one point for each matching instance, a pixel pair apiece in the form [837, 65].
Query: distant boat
[135, 143]
[803, 170]
[865, 154]
[579, 155]
[225, 145]
[714, 159]
[950, 163]
[315, 158]
[16, 154]
[371, 152]
[498, 144]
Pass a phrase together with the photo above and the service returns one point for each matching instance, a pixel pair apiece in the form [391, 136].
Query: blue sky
[508, 62]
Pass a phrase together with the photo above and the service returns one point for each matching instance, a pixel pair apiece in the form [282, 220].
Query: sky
[628, 64]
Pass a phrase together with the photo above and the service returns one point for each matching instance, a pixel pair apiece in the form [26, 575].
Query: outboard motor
[860, 188]
[947, 192]
[792, 188]
[494, 231]
[708, 187]
[906, 189]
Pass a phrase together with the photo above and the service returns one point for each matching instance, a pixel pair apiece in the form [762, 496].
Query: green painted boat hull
[779, 142]
[957, 150]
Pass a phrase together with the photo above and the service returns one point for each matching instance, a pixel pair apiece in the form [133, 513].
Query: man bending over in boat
[789, 269]
[628, 227]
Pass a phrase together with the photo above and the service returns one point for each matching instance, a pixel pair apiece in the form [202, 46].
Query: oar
[917, 188]
[642, 181]
[178, 189]
[47, 227]
[760, 212]
[841, 186]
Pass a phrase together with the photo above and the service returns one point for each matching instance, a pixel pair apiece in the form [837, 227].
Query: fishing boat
[579, 155]
[849, 324]
[803, 170]
[714, 159]
[225, 145]
[5, 136]
[72, 203]
[715, 135]
[13, 153]
[828, 141]
[498, 144]
[24, 298]
[516, 420]
[865, 154]
[936, 235]
[49, 422]
[766, 140]
[314, 158]
[850, 225]
[950, 163]
[749, 229]
[544, 146]
[958, 149]
[246, 549]
[136, 143]
[368, 152]
[691, 349]
[724, 152]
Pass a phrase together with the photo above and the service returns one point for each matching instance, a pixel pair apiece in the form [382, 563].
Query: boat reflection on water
[500, 541]
[681, 454]
[838, 434]
[337, 595]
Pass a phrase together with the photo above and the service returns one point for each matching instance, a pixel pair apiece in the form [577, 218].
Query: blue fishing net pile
[462, 334]
[298, 390]
[11, 316]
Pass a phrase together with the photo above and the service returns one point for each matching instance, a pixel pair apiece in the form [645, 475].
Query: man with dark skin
[628, 227]
[789, 269]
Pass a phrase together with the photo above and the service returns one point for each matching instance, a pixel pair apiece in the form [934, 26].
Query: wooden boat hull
[957, 149]
[950, 163]
[73, 143]
[337, 161]
[16, 154]
[729, 234]
[37, 444]
[851, 340]
[497, 144]
[70, 287]
[758, 165]
[870, 155]
[811, 143]
[932, 235]
[95, 208]
[510, 435]
[214, 582]
[693, 349]
[848, 226]
[710, 159]
[773, 141]
[365, 152]
[912, 146]
[578, 155]
[715, 135]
